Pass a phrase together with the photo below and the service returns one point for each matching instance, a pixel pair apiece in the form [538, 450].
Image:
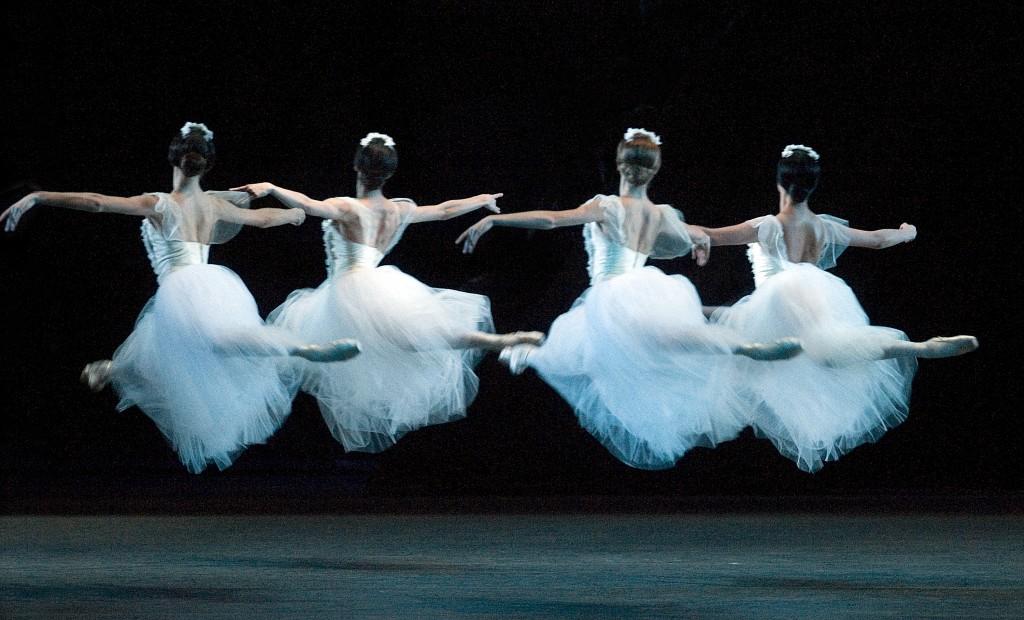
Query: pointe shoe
[515, 357]
[781, 349]
[949, 346]
[96, 375]
[333, 351]
[515, 338]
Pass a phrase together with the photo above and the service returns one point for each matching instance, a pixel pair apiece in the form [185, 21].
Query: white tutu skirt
[408, 374]
[637, 361]
[201, 364]
[837, 396]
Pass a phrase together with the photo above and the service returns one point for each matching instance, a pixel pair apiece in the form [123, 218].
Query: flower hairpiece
[188, 127]
[370, 137]
[636, 132]
[792, 148]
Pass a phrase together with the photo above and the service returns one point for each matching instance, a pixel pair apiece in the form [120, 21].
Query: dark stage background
[914, 109]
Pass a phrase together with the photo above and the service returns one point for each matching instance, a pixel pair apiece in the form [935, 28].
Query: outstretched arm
[141, 206]
[454, 208]
[264, 218]
[541, 220]
[739, 234]
[330, 209]
[882, 238]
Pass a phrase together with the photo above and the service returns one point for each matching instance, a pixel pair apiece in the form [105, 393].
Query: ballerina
[200, 362]
[635, 355]
[854, 382]
[420, 344]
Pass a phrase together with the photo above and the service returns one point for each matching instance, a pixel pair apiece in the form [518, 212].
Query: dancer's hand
[910, 232]
[256, 190]
[471, 236]
[488, 201]
[298, 216]
[12, 215]
[701, 251]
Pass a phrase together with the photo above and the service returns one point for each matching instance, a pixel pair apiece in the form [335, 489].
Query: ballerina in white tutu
[419, 344]
[854, 381]
[200, 362]
[635, 356]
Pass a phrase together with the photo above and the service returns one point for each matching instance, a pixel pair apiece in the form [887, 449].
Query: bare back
[642, 224]
[374, 222]
[204, 217]
[803, 235]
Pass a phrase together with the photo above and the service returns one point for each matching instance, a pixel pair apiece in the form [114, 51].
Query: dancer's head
[639, 156]
[798, 171]
[376, 160]
[192, 150]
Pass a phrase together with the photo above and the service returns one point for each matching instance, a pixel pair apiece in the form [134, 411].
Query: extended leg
[496, 342]
[942, 346]
[266, 341]
[714, 339]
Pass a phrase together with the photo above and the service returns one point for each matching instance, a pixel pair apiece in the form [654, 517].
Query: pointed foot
[516, 357]
[96, 375]
[949, 346]
[333, 351]
[781, 349]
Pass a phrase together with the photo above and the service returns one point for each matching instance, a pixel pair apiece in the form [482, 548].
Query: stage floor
[529, 566]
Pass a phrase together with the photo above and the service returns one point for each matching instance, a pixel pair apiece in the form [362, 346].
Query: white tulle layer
[637, 361]
[201, 363]
[408, 374]
[837, 396]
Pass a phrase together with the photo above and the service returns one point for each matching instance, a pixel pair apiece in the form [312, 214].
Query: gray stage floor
[551, 566]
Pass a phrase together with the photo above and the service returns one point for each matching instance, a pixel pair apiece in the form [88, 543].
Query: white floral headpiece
[188, 127]
[388, 141]
[636, 132]
[792, 148]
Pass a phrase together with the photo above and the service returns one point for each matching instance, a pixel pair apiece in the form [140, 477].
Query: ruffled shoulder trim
[162, 200]
[673, 237]
[614, 217]
[770, 235]
[242, 200]
[835, 240]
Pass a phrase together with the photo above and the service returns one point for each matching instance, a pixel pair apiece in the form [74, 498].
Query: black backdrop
[912, 107]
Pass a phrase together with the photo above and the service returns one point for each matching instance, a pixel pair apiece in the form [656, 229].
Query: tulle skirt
[201, 363]
[637, 360]
[408, 375]
[837, 396]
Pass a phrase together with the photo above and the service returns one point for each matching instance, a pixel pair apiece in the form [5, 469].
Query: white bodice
[606, 257]
[769, 255]
[346, 255]
[166, 255]
[764, 264]
[623, 242]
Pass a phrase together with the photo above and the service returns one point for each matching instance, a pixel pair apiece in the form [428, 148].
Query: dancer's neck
[185, 185]
[362, 192]
[787, 206]
[628, 190]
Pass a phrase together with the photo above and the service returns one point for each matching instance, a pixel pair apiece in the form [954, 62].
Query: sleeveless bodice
[166, 255]
[769, 256]
[346, 255]
[607, 257]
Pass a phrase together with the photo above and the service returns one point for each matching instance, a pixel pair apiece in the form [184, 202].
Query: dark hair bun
[376, 162]
[193, 153]
[193, 164]
[638, 159]
[798, 173]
